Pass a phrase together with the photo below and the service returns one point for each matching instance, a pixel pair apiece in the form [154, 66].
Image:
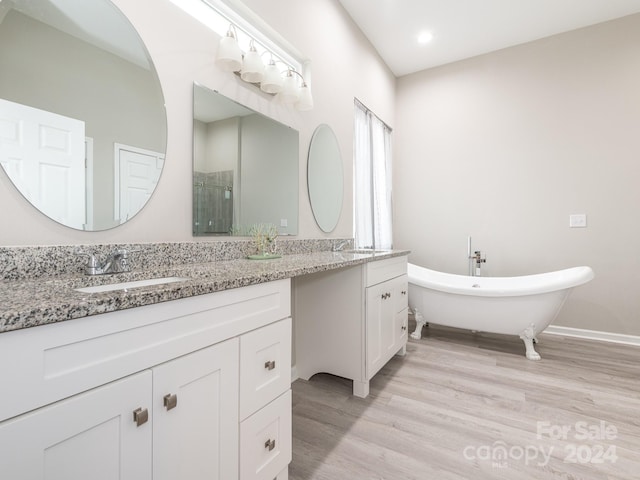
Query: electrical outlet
[578, 220]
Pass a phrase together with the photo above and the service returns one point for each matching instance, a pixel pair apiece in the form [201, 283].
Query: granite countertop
[31, 303]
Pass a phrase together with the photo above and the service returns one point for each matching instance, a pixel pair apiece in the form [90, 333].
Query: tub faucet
[116, 262]
[339, 246]
[475, 262]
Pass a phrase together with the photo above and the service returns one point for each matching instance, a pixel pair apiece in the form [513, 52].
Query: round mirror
[82, 118]
[325, 178]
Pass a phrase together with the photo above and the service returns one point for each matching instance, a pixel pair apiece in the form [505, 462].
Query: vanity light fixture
[293, 94]
[270, 78]
[229, 56]
[252, 67]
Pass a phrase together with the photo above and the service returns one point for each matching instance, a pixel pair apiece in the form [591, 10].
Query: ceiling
[466, 28]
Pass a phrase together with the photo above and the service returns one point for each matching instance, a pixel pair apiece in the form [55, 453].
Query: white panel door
[44, 155]
[195, 430]
[137, 174]
[88, 436]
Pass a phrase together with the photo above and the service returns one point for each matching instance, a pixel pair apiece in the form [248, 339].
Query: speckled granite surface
[18, 263]
[28, 302]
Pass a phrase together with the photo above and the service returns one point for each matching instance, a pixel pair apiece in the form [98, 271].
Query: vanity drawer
[265, 365]
[401, 291]
[265, 440]
[52, 362]
[382, 270]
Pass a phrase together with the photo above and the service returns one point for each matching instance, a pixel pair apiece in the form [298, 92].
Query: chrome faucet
[339, 246]
[116, 262]
[475, 262]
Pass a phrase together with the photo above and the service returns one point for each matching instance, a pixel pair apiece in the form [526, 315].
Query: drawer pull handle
[270, 365]
[386, 295]
[170, 401]
[270, 444]
[140, 416]
[404, 327]
[404, 292]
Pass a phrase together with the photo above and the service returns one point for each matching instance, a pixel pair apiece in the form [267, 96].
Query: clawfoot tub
[522, 306]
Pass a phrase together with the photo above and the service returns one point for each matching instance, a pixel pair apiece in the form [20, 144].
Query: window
[372, 181]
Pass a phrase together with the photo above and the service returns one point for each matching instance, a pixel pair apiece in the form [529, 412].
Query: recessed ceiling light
[424, 37]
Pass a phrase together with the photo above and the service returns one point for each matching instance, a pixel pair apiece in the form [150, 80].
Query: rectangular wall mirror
[245, 168]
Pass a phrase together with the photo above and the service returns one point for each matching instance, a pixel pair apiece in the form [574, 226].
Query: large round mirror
[82, 118]
[325, 178]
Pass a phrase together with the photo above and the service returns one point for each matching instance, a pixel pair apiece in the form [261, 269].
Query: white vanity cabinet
[90, 435]
[349, 322]
[386, 318]
[156, 392]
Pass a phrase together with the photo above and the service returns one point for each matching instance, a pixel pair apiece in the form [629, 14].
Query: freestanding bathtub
[522, 306]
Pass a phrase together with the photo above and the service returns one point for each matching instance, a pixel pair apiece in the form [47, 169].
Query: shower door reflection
[212, 203]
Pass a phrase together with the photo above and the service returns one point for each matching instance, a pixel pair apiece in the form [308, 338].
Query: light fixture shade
[252, 66]
[229, 56]
[305, 100]
[272, 79]
[289, 93]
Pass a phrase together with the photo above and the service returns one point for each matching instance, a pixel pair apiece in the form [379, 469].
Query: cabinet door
[380, 326]
[91, 435]
[195, 431]
[386, 322]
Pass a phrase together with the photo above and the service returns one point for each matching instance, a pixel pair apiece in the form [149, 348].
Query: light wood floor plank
[457, 397]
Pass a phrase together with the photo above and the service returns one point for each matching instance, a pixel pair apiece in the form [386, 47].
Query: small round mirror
[325, 178]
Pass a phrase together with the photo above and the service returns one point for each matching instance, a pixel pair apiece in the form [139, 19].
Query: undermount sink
[365, 251]
[129, 285]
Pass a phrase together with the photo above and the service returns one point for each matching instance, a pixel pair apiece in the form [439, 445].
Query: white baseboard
[593, 335]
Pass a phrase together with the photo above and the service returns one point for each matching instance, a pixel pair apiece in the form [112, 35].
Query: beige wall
[504, 147]
[344, 66]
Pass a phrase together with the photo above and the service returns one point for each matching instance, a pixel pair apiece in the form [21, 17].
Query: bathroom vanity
[350, 322]
[188, 379]
[193, 388]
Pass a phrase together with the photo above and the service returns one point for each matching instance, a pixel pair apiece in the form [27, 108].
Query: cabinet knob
[270, 444]
[170, 400]
[404, 292]
[404, 327]
[270, 365]
[140, 416]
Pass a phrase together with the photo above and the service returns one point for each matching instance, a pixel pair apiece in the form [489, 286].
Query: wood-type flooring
[463, 405]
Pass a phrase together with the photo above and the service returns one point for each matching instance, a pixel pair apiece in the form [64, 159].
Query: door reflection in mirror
[56, 60]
